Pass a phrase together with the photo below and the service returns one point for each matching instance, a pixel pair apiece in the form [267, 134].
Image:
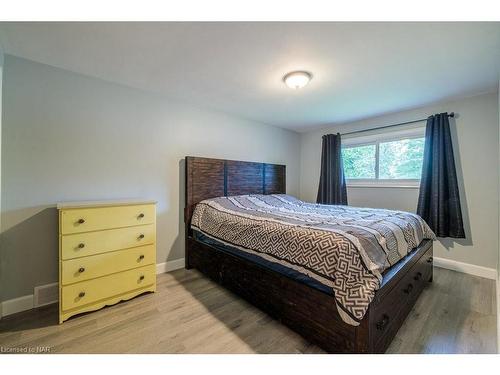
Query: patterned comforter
[345, 248]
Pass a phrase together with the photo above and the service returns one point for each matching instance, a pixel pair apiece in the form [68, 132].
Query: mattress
[340, 249]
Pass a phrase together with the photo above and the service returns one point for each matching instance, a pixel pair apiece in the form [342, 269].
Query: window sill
[382, 185]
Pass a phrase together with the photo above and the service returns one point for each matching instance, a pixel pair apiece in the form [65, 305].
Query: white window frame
[376, 139]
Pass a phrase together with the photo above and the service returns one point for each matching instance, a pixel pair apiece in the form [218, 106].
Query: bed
[324, 271]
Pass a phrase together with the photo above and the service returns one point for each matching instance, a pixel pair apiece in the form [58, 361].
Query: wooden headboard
[209, 178]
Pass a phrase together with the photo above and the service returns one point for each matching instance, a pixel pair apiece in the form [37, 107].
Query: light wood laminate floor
[191, 314]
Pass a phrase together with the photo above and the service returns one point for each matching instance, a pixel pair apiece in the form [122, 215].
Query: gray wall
[71, 137]
[476, 146]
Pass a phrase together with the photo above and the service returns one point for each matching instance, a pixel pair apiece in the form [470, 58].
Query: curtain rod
[452, 114]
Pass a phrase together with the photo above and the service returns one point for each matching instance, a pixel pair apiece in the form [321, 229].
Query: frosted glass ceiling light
[297, 80]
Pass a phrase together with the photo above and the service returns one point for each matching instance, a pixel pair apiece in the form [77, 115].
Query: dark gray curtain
[439, 200]
[332, 187]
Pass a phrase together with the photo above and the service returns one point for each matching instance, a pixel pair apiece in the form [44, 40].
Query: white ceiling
[360, 69]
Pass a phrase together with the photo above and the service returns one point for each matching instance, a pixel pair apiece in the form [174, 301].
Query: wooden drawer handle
[141, 215]
[81, 245]
[141, 236]
[408, 289]
[81, 294]
[81, 221]
[418, 276]
[430, 260]
[141, 277]
[383, 323]
[141, 257]
[81, 269]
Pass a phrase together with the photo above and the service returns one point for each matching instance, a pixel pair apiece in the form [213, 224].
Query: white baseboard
[16, 305]
[471, 269]
[169, 266]
[24, 303]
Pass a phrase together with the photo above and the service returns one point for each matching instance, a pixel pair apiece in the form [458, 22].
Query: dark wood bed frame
[306, 310]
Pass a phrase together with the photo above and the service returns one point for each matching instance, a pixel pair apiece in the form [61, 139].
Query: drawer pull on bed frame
[383, 323]
[408, 289]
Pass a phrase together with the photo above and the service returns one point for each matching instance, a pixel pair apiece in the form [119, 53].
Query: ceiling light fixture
[297, 79]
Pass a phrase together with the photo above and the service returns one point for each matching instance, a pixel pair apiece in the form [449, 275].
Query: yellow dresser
[107, 253]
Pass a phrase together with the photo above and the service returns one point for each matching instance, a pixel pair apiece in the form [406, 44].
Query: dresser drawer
[86, 292]
[85, 268]
[91, 243]
[90, 219]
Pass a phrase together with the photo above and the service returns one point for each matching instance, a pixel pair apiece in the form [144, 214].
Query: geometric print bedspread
[345, 248]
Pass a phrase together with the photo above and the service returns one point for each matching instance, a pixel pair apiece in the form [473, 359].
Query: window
[401, 159]
[359, 161]
[388, 159]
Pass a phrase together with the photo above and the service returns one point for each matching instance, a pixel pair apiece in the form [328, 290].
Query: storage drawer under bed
[387, 317]
[312, 313]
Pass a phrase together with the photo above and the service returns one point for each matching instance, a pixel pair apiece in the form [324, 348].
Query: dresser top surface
[104, 203]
